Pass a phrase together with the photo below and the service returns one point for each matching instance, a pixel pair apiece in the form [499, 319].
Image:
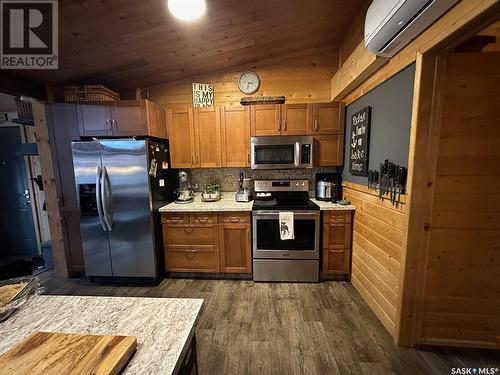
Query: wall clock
[249, 82]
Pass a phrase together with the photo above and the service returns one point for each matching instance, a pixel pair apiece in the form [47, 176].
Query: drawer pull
[234, 219]
[190, 254]
[203, 220]
[174, 218]
[189, 229]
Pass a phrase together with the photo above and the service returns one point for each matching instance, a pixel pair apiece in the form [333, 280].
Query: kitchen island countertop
[163, 327]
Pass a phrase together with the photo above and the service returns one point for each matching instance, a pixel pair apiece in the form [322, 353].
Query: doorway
[17, 226]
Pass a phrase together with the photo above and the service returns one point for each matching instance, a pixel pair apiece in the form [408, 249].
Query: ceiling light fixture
[187, 10]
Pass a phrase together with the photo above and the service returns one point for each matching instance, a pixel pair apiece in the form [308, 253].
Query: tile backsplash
[228, 177]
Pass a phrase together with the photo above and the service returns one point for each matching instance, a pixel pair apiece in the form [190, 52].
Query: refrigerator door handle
[98, 197]
[105, 190]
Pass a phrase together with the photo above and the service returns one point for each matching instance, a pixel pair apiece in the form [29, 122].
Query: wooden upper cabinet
[235, 134]
[207, 137]
[95, 119]
[328, 118]
[266, 120]
[181, 136]
[128, 118]
[296, 119]
[156, 119]
[122, 118]
[329, 150]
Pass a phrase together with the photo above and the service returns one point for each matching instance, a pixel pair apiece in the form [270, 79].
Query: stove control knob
[296, 184]
[302, 184]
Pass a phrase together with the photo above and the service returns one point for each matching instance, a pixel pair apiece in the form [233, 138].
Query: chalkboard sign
[360, 132]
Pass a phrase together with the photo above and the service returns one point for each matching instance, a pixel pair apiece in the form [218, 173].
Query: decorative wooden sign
[203, 95]
[359, 141]
[254, 100]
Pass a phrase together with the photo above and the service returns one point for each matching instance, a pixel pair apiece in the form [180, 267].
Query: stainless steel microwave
[281, 152]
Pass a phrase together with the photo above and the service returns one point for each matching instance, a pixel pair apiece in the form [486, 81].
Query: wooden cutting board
[67, 353]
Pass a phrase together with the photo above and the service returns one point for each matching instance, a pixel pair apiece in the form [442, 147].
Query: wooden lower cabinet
[337, 232]
[207, 242]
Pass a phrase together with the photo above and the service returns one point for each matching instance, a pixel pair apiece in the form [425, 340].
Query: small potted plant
[214, 190]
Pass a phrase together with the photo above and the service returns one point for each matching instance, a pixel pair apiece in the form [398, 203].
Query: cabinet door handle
[316, 125]
[284, 125]
[192, 160]
[198, 159]
[279, 125]
[248, 156]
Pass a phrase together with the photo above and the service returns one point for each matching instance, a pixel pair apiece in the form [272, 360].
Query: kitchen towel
[286, 225]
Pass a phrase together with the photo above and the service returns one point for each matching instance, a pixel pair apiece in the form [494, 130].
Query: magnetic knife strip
[389, 179]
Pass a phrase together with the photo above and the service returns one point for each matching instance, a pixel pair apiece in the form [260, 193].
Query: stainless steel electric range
[274, 259]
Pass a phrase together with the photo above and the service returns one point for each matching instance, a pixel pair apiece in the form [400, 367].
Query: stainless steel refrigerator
[120, 185]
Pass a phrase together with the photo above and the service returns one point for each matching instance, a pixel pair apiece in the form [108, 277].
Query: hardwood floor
[282, 328]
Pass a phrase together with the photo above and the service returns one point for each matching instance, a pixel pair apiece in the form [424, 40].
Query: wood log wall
[462, 280]
[301, 79]
[376, 250]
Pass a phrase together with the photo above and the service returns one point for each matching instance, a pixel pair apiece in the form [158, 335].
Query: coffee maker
[327, 187]
[184, 193]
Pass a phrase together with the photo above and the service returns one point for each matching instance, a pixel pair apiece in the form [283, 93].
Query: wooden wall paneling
[301, 78]
[461, 263]
[45, 153]
[207, 137]
[356, 69]
[422, 161]
[376, 251]
[235, 134]
[181, 137]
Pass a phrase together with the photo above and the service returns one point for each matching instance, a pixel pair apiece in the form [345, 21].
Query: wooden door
[95, 119]
[296, 119]
[329, 150]
[129, 118]
[328, 118]
[207, 137]
[156, 120]
[235, 134]
[181, 136]
[266, 120]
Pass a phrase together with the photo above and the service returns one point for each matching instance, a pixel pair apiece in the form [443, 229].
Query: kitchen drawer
[203, 218]
[191, 260]
[235, 217]
[338, 216]
[174, 218]
[189, 235]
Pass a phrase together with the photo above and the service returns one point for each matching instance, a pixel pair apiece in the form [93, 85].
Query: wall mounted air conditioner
[392, 24]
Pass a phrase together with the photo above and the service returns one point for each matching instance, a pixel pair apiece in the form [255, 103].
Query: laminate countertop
[163, 326]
